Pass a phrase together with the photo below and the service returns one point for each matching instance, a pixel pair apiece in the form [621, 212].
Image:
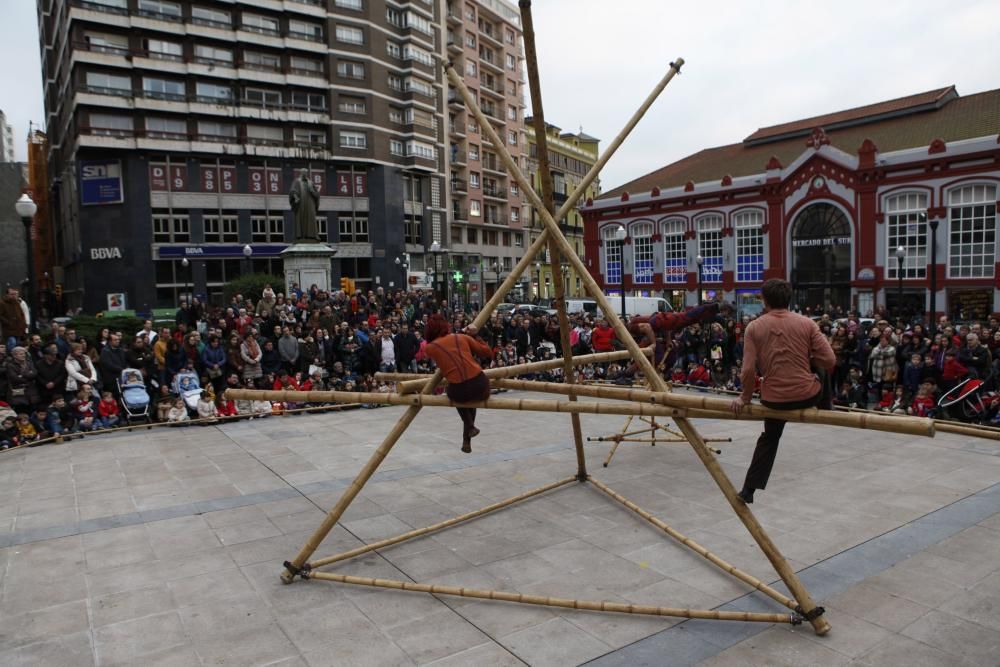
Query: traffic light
[58, 290]
[347, 285]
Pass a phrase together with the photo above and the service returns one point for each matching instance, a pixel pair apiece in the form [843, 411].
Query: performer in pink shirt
[784, 347]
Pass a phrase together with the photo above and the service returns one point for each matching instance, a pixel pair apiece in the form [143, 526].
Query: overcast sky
[749, 64]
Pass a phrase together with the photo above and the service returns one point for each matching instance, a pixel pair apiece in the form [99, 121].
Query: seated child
[9, 434]
[923, 402]
[60, 418]
[108, 411]
[698, 375]
[186, 384]
[83, 406]
[164, 402]
[224, 407]
[206, 407]
[39, 420]
[178, 413]
[26, 430]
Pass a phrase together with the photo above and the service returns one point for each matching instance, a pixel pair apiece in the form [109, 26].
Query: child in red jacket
[108, 411]
[923, 402]
[698, 375]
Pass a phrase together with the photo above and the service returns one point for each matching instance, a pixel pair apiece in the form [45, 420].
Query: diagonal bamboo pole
[588, 605]
[810, 610]
[545, 180]
[381, 544]
[697, 548]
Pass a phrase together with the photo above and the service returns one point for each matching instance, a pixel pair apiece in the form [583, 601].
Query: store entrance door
[821, 257]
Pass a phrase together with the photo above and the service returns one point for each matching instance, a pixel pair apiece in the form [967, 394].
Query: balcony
[261, 30]
[305, 36]
[98, 7]
[460, 214]
[159, 16]
[559, 198]
[494, 166]
[457, 156]
[454, 99]
[458, 185]
[454, 45]
[495, 192]
[211, 23]
[494, 219]
[101, 90]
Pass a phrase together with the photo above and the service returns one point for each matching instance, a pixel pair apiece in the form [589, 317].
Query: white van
[641, 305]
[588, 306]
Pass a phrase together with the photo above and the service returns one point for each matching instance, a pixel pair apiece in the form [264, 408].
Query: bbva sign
[106, 253]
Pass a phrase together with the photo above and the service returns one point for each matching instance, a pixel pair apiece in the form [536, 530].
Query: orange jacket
[455, 355]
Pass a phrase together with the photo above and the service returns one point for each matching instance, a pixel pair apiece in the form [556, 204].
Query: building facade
[6, 139]
[570, 158]
[176, 129]
[486, 206]
[876, 206]
[14, 249]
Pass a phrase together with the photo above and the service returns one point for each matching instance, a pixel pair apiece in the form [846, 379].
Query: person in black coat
[407, 346]
[112, 363]
[51, 375]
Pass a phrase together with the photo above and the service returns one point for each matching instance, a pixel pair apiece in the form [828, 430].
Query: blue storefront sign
[220, 251]
[676, 270]
[711, 270]
[644, 271]
[100, 182]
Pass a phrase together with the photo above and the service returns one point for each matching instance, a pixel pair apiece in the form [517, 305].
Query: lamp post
[538, 285]
[247, 254]
[933, 316]
[404, 265]
[437, 251]
[900, 256]
[26, 209]
[620, 235]
[186, 263]
[699, 260]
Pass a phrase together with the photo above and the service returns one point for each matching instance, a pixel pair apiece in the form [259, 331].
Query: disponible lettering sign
[352, 184]
[265, 181]
[812, 243]
[676, 270]
[100, 182]
[711, 269]
[218, 179]
[163, 178]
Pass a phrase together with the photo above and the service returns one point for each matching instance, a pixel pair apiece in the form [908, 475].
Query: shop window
[674, 251]
[642, 248]
[749, 246]
[710, 247]
[612, 256]
[906, 226]
[972, 232]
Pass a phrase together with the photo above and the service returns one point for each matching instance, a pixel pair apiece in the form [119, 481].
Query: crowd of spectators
[315, 340]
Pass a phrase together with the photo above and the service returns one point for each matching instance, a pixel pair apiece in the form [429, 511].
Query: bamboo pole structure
[697, 548]
[566, 603]
[381, 544]
[943, 425]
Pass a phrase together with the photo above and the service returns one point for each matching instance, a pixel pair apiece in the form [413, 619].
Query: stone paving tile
[956, 636]
[903, 651]
[127, 642]
[555, 642]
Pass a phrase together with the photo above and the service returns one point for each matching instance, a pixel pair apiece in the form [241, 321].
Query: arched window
[710, 247]
[906, 225]
[674, 251]
[972, 231]
[749, 245]
[642, 247]
[612, 255]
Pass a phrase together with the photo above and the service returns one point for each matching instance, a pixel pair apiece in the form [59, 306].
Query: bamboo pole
[942, 425]
[697, 548]
[410, 386]
[545, 179]
[381, 544]
[588, 605]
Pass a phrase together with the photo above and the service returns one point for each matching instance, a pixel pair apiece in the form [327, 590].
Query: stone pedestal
[308, 264]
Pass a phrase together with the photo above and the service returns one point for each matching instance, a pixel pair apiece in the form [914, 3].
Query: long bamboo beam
[381, 544]
[697, 548]
[588, 605]
[942, 425]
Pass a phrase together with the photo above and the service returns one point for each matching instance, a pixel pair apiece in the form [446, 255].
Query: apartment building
[6, 139]
[177, 128]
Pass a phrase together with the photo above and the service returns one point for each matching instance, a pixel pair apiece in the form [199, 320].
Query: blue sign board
[676, 270]
[100, 182]
[644, 271]
[219, 251]
[711, 270]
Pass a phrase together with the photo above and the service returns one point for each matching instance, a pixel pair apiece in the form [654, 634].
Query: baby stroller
[187, 386]
[970, 400]
[135, 398]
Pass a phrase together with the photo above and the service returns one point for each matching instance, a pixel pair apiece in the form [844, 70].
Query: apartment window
[115, 4]
[470, 68]
[419, 23]
[515, 191]
[420, 117]
[106, 43]
[472, 235]
[163, 50]
[411, 52]
[612, 256]
[906, 225]
[111, 125]
[489, 237]
[394, 17]
[470, 40]
[972, 216]
[221, 229]
[473, 180]
[642, 247]
[396, 116]
[309, 101]
[267, 228]
[352, 105]
[353, 140]
[160, 9]
[204, 53]
[350, 35]
[395, 146]
[511, 87]
[419, 86]
[413, 230]
[353, 229]
[749, 246]
[305, 136]
[475, 209]
[258, 60]
[349, 4]
[163, 89]
[169, 228]
[261, 24]
[505, 239]
[322, 229]
[350, 69]
[473, 127]
[211, 17]
[395, 82]
[109, 84]
[393, 51]
[305, 30]
[473, 152]
[674, 251]
[166, 128]
[213, 92]
[710, 247]
[512, 137]
[421, 150]
[511, 112]
[511, 62]
[263, 98]
[515, 215]
[301, 65]
[509, 36]
[265, 135]
[518, 240]
[470, 13]
[213, 129]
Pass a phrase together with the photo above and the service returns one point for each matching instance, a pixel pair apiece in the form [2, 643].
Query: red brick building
[826, 203]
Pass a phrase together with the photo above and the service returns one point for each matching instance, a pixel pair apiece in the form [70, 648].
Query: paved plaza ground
[163, 547]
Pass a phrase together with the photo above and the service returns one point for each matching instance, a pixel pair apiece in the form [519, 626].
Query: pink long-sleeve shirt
[784, 346]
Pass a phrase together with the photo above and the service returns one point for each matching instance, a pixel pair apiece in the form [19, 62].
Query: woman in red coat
[455, 354]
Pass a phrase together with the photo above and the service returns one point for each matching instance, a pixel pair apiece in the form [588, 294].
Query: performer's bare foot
[466, 445]
[473, 432]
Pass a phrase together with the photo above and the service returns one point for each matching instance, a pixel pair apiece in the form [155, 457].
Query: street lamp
[186, 263]
[437, 251]
[538, 285]
[620, 235]
[404, 266]
[26, 209]
[247, 254]
[900, 256]
[933, 317]
[699, 260]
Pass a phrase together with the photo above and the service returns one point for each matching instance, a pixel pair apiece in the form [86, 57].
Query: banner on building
[352, 184]
[711, 270]
[265, 181]
[675, 270]
[643, 271]
[218, 178]
[116, 301]
[100, 182]
[168, 179]
[318, 179]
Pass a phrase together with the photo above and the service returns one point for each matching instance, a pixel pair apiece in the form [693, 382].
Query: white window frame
[747, 225]
[355, 5]
[475, 208]
[641, 234]
[614, 252]
[396, 147]
[357, 105]
[265, 25]
[351, 69]
[213, 53]
[906, 225]
[674, 248]
[973, 207]
[710, 242]
[347, 34]
[103, 81]
[353, 140]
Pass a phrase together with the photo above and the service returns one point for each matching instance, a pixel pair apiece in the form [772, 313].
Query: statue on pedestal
[304, 200]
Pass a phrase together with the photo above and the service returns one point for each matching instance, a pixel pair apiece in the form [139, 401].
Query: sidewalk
[164, 547]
